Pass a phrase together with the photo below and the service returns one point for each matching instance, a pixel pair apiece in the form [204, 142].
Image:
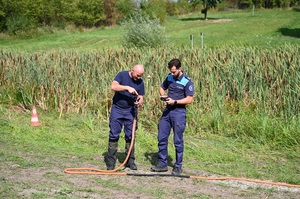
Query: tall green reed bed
[243, 92]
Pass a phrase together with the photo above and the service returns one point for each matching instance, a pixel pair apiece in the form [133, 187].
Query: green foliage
[212, 3]
[89, 13]
[116, 11]
[125, 8]
[245, 4]
[269, 4]
[110, 12]
[258, 3]
[140, 31]
[3, 5]
[217, 32]
[21, 26]
[178, 8]
[9, 9]
[207, 4]
[40, 11]
[155, 9]
[59, 12]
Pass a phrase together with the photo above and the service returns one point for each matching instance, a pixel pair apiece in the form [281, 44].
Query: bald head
[137, 71]
[138, 68]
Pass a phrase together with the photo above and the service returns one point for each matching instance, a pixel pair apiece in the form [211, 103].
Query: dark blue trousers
[172, 119]
[120, 117]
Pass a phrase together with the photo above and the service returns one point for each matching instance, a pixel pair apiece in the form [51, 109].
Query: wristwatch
[175, 102]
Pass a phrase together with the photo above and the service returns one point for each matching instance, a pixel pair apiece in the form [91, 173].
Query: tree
[88, 13]
[155, 9]
[207, 4]
[125, 8]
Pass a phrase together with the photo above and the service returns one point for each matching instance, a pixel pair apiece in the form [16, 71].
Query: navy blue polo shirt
[124, 98]
[178, 88]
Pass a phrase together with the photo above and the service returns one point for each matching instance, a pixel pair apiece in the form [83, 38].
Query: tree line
[25, 16]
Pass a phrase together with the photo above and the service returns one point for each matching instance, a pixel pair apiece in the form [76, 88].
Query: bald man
[129, 94]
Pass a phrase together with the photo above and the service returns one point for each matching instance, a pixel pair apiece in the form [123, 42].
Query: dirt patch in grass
[220, 20]
[48, 180]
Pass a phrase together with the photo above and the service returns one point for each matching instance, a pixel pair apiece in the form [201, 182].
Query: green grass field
[80, 140]
[236, 28]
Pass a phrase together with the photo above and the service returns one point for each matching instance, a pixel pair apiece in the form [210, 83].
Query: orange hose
[247, 180]
[93, 171]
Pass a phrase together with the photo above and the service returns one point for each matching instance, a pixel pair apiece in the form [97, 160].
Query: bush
[21, 26]
[140, 31]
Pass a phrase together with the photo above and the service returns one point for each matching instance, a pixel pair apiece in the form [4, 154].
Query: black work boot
[111, 155]
[176, 171]
[130, 162]
[159, 168]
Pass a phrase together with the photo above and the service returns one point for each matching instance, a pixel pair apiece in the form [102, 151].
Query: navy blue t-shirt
[124, 98]
[178, 88]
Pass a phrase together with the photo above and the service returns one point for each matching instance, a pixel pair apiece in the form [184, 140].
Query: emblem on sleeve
[191, 88]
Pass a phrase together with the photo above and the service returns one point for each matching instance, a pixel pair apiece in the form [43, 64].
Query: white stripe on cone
[34, 118]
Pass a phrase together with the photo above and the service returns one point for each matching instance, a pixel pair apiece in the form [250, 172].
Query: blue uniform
[174, 117]
[123, 109]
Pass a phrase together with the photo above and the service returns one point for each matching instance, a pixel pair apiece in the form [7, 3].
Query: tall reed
[231, 84]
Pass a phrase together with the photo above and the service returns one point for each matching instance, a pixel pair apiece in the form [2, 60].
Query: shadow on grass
[153, 159]
[297, 9]
[290, 32]
[198, 19]
[119, 155]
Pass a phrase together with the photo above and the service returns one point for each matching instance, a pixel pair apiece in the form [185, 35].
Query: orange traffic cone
[34, 118]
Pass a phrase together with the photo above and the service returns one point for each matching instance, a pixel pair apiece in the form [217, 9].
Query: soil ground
[51, 182]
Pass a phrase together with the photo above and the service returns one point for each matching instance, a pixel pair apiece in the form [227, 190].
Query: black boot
[111, 155]
[130, 162]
